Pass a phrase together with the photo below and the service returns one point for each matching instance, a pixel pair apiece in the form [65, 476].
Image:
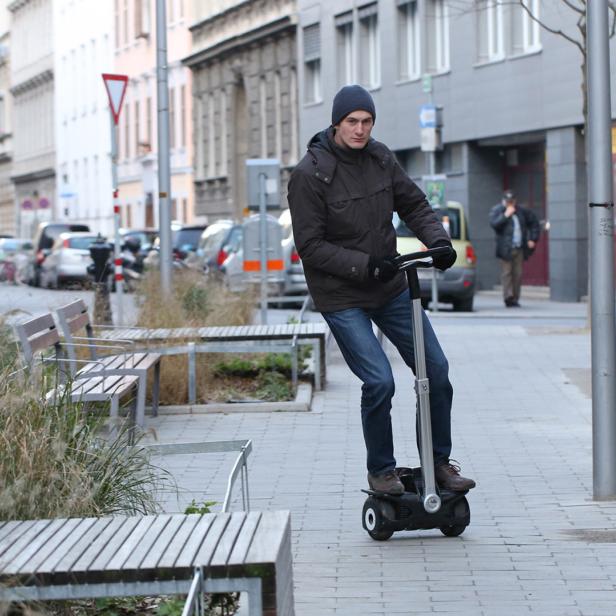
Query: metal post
[434, 305]
[263, 242]
[602, 251]
[164, 164]
[117, 270]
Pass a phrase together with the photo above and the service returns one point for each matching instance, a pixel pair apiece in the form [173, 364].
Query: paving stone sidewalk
[522, 429]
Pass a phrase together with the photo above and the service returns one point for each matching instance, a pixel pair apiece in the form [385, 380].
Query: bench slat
[74, 308]
[244, 539]
[175, 547]
[151, 559]
[268, 538]
[10, 528]
[38, 324]
[208, 546]
[143, 547]
[228, 539]
[186, 557]
[22, 542]
[87, 540]
[62, 542]
[77, 323]
[129, 543]
[28, 557]
[106, 545]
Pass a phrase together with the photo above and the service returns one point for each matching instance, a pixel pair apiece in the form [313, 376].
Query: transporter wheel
[374, 518]
[461, 511]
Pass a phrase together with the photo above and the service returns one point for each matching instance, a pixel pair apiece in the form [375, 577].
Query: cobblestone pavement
[537, 543]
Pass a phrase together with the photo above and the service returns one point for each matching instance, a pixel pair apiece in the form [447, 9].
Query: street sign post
[116, 91]
[263, 186]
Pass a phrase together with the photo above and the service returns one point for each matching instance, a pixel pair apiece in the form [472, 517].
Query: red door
[527, 180]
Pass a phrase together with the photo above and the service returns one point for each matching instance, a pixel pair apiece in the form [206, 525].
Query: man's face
[354, 131]
[510, 202]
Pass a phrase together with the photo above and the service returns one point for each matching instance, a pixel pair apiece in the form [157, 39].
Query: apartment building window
[172, 118]
[294, 148]
[211, 138]
[116, 15]
[344, 42]
[277, 117]
[525, 29]
[490, 44]
[200, 139]
[263, 115]
[223, 133]
[370, 56]
[125, 21]
[312, 64]
[127, 132]
[183, 116]
[409, 41]
[142, 18]
[148, 121]
[137, 129]
[437, 36]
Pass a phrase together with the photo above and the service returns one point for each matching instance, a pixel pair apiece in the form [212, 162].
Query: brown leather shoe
[448, 478]
[387, 482]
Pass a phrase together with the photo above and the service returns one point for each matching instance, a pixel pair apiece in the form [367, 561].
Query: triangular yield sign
[116, 89]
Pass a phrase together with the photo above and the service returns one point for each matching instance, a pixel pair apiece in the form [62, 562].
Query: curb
[302, 403]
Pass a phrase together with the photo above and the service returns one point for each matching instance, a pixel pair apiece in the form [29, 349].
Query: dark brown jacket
[341, 204]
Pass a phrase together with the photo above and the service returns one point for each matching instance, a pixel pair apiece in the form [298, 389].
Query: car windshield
[52, 232]
[13, 245]
[187, 237]
[146, 238]
[449, 216]
[81, 243]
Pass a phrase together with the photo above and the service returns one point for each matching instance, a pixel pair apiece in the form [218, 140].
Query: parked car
[185, 239]
[68, 260]
[295, 279]
[219, 240]
[146, 237]
[16, 256]
[46, 234]
[457, 284]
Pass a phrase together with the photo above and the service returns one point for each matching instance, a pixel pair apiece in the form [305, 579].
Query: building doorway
[524, 173]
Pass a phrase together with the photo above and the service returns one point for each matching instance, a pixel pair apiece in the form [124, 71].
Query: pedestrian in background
[517, 233]
[342, 196]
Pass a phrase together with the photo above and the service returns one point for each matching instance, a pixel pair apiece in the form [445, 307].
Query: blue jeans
[352, 329]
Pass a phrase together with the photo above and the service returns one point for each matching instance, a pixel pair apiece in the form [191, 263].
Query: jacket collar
[326, 154]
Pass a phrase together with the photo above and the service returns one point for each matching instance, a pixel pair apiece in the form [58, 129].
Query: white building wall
[84, 50]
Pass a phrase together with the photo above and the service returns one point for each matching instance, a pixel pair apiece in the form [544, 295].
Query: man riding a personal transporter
[342, 196]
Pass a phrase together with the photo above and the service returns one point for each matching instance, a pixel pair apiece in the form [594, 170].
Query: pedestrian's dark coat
[503, 226]
[341, 203]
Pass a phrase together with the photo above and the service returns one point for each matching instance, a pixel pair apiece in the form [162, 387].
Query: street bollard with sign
[263, 184]
[116, 90]
[100, 251]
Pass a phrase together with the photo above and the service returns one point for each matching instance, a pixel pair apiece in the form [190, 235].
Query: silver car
[68, 260]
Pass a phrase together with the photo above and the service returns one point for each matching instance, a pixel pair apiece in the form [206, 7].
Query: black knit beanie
[349, 99]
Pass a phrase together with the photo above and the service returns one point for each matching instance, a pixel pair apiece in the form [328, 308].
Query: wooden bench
[74, 317]
[289, 333]
[151, 555]
[94, 382]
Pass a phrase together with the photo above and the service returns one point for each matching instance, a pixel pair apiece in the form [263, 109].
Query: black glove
[445, 261]
[381, 269]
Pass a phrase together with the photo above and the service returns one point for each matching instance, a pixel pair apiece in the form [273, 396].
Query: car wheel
[464, 305]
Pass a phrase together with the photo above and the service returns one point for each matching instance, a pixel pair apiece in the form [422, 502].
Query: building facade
[243, 61]
[135, 56]
[512, 107]
[7, 192]
[83, 51]
[32, 89]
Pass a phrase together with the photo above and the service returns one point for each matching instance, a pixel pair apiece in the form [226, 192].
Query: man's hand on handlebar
[444, 261]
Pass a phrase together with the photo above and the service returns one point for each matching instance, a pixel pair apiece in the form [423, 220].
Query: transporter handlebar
[423, 258]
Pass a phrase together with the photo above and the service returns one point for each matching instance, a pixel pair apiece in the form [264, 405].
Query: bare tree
[579, 8]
